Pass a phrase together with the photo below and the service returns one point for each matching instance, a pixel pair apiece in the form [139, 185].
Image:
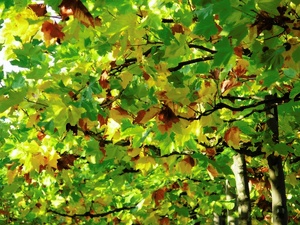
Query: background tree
[131, 112]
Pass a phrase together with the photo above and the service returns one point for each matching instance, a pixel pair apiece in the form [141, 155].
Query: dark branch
[285, 98]
[167, 20]
[202, 48]
[182, 64]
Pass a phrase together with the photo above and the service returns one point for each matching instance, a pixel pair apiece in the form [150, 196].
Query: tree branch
[202, 48]
[284, 99]
[184, 63]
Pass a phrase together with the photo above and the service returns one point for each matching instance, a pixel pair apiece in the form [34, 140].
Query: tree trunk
[230, 195]
[242, 189]
[219, 219]
[279, 208]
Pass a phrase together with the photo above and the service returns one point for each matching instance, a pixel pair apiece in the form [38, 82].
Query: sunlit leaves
[136, 121]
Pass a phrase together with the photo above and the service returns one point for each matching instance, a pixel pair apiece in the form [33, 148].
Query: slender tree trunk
[242, 189]
[219, 219]
[279, 208]
[230, 195]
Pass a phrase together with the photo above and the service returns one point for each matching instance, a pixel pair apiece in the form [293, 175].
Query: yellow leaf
[144, 164]
[11, 174]
[118, 114]
[112, 128]
[184, 167]
[36, 161]
[126, 78]
[33, 119]
[53, 157]
[74, 114]
[134, 152]
[144, 116]
[292, 179]
[208, 91]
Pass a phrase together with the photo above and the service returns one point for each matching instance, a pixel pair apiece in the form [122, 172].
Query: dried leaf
[52, 31]
[232, 137]
[79, 11]
[103, 81]
[168, 117]
[65, 161]
[159, 195]
[144, 116]
[177, 28]
[212, 171]
[38, 9]
[238, 51]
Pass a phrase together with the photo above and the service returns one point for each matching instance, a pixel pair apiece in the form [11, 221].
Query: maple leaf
[77, 9]
[144, 116]
[212, 172]
[164, 221]
[227, 85]
[168, 117]
[159, 195]
[177, 28]
[65, 161]
[238, 51]
[185, 166]
[102, 120]
[232, 137]
[52, 31]
[38, 9]
[103, 81]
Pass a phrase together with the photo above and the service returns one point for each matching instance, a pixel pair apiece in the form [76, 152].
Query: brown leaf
[212, 171]
[103, 81]
[189, 160]
[38, 9]
[229, 84]
[177, 28]
[41, 135]
[140, 116]
[52, 31]
[102, 120]
[65, 161]
[211, 152]
[144, 116]
[238, 51]
[79, 11]
[159, 195]
[164, 221]
[167, 116]
[232, 137]
[83, 124]
[146, 75]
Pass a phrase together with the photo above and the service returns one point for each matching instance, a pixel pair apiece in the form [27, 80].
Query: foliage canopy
[130, 111]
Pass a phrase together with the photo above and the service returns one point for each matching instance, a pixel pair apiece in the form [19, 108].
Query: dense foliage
[130, 112]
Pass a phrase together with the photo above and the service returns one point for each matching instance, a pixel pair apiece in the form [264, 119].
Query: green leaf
[13, 98]
[224, 53]
[296, 55]
[176, 79]
[283, 149]
[268, 5]
[206, 27]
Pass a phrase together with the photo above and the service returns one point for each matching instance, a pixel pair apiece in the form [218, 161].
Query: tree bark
[279, 208]
[242, 189]
[219, 219]
[230, 195]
